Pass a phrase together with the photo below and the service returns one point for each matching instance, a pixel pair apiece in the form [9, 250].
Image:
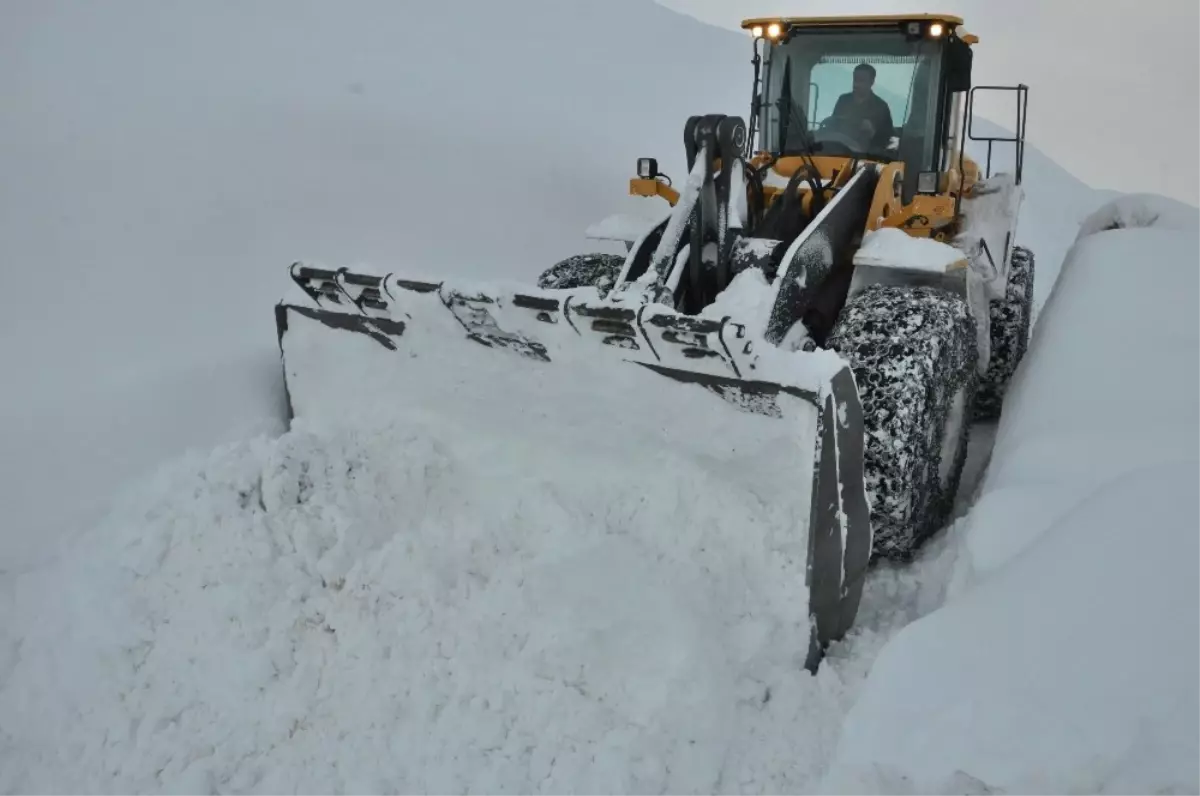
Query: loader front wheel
[1010, 322]
[913, 354]
[583, 270]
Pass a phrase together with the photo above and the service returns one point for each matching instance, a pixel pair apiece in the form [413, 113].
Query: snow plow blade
[787, 426]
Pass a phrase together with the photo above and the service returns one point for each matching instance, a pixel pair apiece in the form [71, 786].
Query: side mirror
[958, 65]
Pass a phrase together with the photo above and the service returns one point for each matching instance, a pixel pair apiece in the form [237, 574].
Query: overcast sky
[1114, 95]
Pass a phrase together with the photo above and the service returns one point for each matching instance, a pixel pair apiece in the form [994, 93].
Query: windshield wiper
[807, 144]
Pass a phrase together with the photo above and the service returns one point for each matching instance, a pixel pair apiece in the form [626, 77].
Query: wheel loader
[891, 303]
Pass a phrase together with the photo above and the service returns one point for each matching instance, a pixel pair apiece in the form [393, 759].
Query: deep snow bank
[1065, 659]
[164, 162]
[1094, 399]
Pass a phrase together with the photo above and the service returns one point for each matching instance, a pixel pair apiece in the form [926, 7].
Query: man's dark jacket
[874, 110]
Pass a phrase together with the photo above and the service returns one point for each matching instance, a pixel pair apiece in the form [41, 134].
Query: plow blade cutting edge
[552, 363]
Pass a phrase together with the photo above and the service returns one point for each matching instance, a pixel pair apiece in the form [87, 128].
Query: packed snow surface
[1066, 657]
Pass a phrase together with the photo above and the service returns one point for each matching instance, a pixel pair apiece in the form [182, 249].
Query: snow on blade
[896, 248]
[747, 298]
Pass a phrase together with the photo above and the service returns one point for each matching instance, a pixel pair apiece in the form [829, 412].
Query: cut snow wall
[1065, 659]
[1109, 384]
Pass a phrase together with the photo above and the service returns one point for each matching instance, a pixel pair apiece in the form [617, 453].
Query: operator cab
[870, 88]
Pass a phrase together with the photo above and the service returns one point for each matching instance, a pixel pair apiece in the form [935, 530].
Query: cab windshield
[869, 94]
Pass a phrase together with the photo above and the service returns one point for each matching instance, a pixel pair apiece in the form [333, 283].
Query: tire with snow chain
[1010, 322]
[583, 270]
[914, 356]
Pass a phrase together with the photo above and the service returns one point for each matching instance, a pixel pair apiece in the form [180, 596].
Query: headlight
[647, 168]
[756, 31]
[936, 29]
[927, 182]
[774, 29]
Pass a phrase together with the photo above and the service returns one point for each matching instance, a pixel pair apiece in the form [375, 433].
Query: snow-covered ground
[363, 609]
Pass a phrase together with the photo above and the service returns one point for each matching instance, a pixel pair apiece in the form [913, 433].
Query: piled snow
[461, 591]
[64, 456]
[896, 248]
[1066, 657]
[403, 608]
[747, 299]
